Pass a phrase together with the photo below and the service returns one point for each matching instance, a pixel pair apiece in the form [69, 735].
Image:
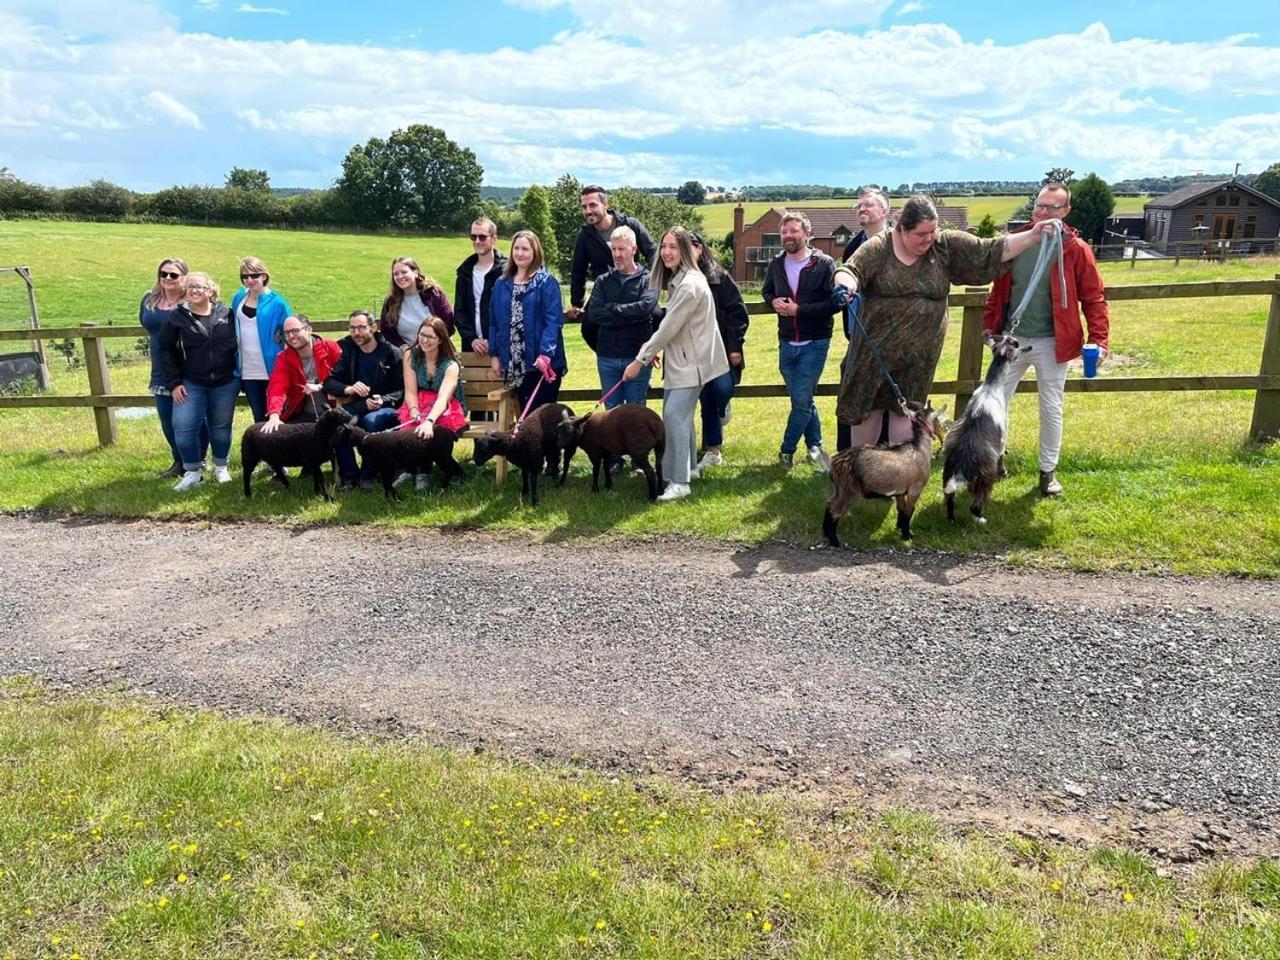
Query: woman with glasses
[295, 392]
[198, 354]
[259, 314]
[155, 310]
[412, 299]
[433, 396]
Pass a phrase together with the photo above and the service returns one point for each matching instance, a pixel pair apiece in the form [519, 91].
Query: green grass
[136, 831]
[718, 217]
[1155, 482]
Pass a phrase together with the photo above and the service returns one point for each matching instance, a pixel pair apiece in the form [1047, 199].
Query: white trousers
[1051, 378]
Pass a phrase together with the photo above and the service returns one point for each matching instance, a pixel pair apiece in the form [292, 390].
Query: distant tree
[535, 211]
[236, 205]
[1091, 204]
[986, 226]
[193, 204]
[1268, 181]
[658, 214]
[98, 198]
[566, 217]
[1059, 175]
[17, 194]
[372, 186]
[692, 193]
[244, 178]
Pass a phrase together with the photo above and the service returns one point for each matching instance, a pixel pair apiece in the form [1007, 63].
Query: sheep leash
[610, 392]
[1046, 254]
[533, 396]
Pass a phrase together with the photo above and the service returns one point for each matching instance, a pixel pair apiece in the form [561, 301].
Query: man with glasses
[295, 392]
[476, 276]
[1051, 325]
[368, 380]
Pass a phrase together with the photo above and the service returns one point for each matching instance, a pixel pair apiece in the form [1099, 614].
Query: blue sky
[153, 92]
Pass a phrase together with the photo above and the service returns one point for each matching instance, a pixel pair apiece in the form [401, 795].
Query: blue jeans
[715, 398]
[633, 391]
[256, 392]
[373, 421]
[208, 408]
[801, 368]
[164, 407]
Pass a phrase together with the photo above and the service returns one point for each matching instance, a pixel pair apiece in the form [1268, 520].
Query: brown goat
[629, 429]
[899, 471]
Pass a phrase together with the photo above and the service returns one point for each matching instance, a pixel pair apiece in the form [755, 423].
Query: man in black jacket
[476, 276]
[368, 381]
[591, 254]
[798, 287]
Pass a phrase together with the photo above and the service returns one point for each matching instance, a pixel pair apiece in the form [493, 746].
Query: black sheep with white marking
[532, 444]
[306, 445]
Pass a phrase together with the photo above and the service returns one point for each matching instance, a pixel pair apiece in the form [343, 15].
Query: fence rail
[1265, 425]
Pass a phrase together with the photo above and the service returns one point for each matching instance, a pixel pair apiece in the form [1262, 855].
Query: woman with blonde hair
[155, 310]
[198, 362]
[412, 299]
[693, 353]
[259, 314]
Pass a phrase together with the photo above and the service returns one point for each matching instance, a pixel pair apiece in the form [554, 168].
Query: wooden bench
[488, 393]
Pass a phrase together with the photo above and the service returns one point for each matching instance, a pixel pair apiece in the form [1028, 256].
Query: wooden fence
[1266, 383]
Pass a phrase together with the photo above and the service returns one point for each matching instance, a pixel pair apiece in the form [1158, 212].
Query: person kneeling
[433, 391]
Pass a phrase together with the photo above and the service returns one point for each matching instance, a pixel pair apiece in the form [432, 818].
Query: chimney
[738, 213]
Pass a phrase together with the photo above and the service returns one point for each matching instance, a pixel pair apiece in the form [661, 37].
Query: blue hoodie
[273, 310]
[543, 321]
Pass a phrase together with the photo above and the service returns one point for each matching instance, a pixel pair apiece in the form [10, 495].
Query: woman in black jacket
[731, 317]
[198, 355]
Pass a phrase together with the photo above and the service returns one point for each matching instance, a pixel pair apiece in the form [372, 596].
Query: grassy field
[1158, 482]
[136, 831]
[718, 217]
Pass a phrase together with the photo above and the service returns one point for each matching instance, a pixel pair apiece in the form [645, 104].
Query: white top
[412, 312]
[477, 289]
[253, 366]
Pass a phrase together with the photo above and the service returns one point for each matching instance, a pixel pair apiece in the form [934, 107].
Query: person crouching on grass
[295, 390]
[198, 355]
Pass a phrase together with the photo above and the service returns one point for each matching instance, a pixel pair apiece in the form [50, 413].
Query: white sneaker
[422, 483]
[190, 478]
[403, 478]
[695, 473]
[728, 413]
[712, 458]
[674, 491]
[221, 474]
[819, 457]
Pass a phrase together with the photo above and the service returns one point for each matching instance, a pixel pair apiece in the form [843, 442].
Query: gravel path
[1119, 707]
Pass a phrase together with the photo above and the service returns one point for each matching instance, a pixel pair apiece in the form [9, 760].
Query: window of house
[771, 240]
[1220, 200]
[1250, 226]
[1233, 199]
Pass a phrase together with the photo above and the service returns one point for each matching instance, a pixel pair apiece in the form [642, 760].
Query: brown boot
[1049, 485]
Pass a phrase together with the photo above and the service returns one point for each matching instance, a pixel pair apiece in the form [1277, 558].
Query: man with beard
[796, 287]
[368, 381]
[873, 216]
[476, 276]
[592, 256]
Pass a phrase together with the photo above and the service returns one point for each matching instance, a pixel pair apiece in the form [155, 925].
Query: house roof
[828, 221]
[1194, 191]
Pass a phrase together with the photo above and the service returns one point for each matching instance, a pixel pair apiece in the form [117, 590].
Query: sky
[149, 93]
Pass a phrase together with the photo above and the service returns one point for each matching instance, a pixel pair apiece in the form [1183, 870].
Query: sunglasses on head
[166, 275]
[251, 276]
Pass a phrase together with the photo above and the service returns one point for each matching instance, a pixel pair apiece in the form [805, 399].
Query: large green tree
[535, 211]
[1268, 181]
[246, 178]
[1091, 203]
[692, 192]
[417, 177]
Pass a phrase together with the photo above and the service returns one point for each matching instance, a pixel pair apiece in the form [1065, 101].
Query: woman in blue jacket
[526, 319]
[259, 314]
[155, 310]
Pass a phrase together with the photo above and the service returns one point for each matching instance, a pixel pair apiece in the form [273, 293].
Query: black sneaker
[366, 484]
[787, 460]
[1049, 485]
[174, 471]
[347, 483]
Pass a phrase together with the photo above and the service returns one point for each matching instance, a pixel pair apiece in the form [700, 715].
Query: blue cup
[1091, 353]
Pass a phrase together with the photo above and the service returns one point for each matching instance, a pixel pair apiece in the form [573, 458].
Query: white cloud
[176, 111]
[250, 8]
[912, 6]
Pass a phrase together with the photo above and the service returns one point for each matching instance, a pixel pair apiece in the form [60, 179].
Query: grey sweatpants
[678, 406]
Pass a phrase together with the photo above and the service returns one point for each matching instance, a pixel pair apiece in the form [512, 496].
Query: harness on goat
[854, 308]
[1050, 247]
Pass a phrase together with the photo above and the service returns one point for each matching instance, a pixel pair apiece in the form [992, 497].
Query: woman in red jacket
[294, 392]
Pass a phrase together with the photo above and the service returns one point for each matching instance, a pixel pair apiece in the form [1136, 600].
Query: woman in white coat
[692, 353]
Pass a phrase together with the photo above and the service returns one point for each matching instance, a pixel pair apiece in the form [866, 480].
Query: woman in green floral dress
[905, 275]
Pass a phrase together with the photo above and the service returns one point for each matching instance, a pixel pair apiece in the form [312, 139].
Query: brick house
[755, 245]
[1224, 210]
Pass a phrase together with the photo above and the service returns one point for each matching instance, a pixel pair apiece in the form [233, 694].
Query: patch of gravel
[1117, 706]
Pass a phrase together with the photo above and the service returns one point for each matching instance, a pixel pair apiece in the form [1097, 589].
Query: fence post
[95, 360]
[1133, 256]
[970, 366]
[1266, 403]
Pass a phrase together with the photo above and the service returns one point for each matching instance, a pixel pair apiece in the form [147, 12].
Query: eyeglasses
[198, 288]
[166, 275]
[294, 331]
[427, 336]
[246, 277]
[1050, 206]
[477, 237]
[359, 328]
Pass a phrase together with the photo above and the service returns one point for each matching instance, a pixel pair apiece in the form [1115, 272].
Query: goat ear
[941, 410]
[565, 416]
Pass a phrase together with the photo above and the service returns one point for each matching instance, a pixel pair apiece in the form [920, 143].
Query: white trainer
[422, 483]
[819, 457]
[675, 491]
[403, 478]
[221, 474]
[711, 458]
[190, 478]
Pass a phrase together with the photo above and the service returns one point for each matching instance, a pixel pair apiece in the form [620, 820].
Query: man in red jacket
[295, 390]
[1051, 326]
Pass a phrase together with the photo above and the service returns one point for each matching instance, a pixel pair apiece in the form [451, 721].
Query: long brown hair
[156, 292]
[661, 275]
[417, 355]
[395, 297]
[534, 242]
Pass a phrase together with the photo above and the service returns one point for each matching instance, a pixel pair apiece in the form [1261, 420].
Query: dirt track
[1142, 710]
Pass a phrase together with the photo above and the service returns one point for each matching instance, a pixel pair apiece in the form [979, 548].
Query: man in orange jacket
[1051, 326]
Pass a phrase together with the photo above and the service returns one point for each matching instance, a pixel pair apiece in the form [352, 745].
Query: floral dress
[515, 367]
[904, 310]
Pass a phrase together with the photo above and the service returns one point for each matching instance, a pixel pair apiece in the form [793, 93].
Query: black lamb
[533, 443]
[388, 452]
[306, 445]
[628, 429]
